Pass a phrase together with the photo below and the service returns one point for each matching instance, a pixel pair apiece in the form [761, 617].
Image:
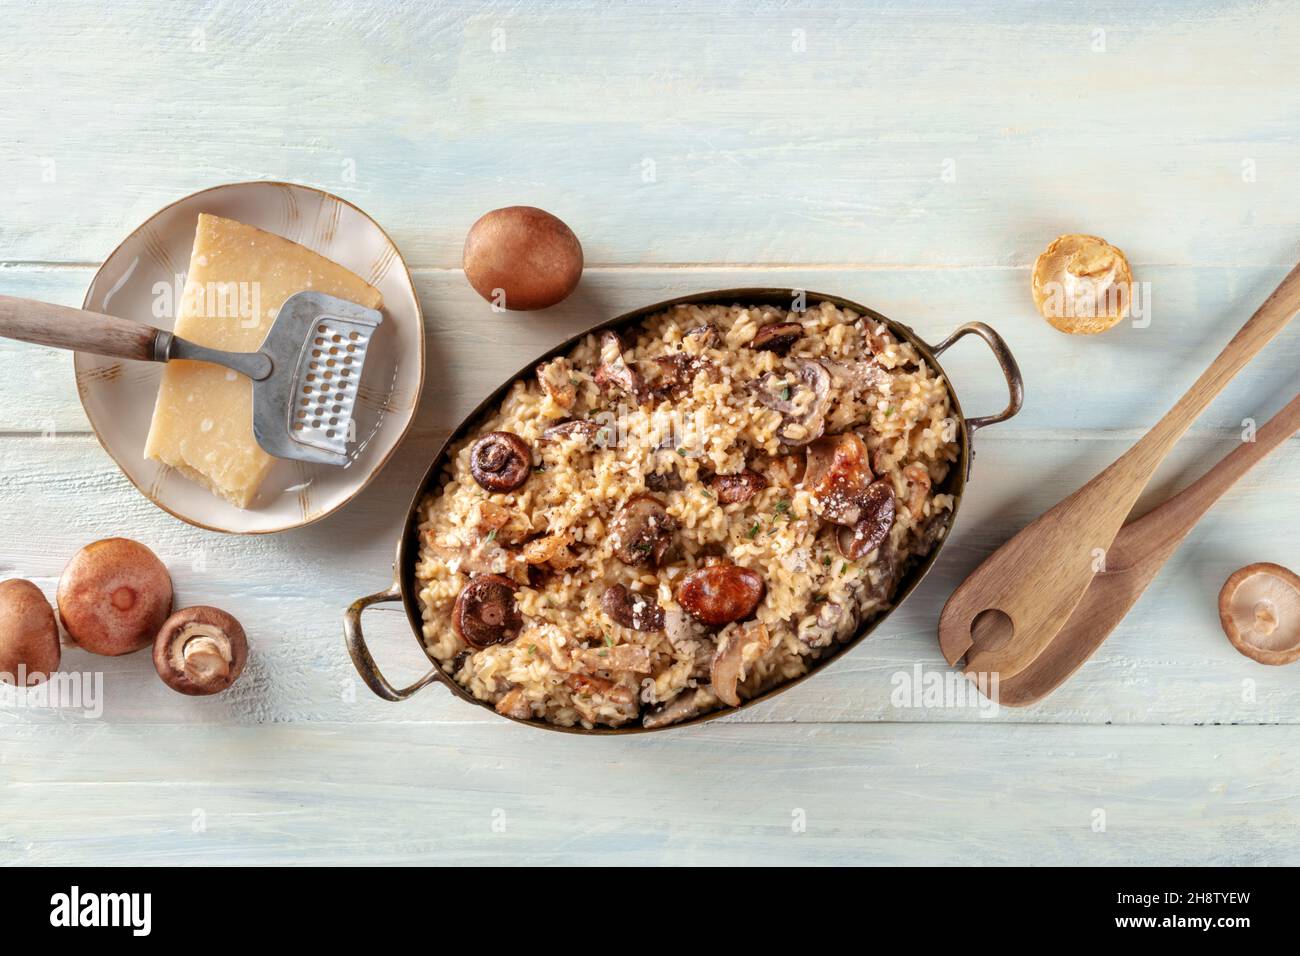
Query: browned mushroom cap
[486, 613]
[733, 489]
[200, 651]
[727, 668]
[706, 336]
[803, 399]
[838, 471]
[876, 508]
[642, 531]
[1259, 607]
[721, 593]
[614, 372]
[581, 428]
[631, 610]
[779, 337]
[500, 461]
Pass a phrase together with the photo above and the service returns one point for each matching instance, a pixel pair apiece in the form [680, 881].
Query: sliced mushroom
[557, 381]
[721, 593]
[500, 461]
[515, 705]
[485, 612]
[876, 509]
[689, 703]
[675, 375]
[665, 481]
[728, 668]
[803, 399]
[1259, 607]
[778, 337]
[634, 658]
[818, 630]
[552, 549]
[703, 336]
[614, 372]
[837, 474]
[630, 609]
[859, 375]
[918, 487]
[737, 488]
[642, 531]
[581, 429]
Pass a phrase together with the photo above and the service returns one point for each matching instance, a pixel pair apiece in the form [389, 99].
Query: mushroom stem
[206, 659]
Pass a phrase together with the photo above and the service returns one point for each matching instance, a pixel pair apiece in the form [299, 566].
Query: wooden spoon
[1014, 603]
[1140, 550]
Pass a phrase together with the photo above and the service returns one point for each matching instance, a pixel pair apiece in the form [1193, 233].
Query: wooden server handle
[61, 327]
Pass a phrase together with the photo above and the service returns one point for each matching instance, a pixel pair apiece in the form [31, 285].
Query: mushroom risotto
[662, 524]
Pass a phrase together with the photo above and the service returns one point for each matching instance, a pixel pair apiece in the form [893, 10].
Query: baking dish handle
[1007, 361]
[361, 656]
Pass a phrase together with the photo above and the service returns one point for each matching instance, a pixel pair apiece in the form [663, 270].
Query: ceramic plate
[141, 281]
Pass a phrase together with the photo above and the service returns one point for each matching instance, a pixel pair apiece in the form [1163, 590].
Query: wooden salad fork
[1007, 612]
[1139, 552]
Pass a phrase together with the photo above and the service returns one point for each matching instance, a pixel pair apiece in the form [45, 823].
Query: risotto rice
[677, 519]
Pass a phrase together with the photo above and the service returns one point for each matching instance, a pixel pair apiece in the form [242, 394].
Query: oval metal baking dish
[405, 589]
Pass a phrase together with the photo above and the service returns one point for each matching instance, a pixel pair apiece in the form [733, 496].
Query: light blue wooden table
[915, 157]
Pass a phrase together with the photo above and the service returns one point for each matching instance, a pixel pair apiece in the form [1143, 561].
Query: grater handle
[60, 327]
[77, 330]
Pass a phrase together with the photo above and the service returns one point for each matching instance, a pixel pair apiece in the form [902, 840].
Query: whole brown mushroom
[113, 596]
[29, 635]
[522, 258]
[200, 651]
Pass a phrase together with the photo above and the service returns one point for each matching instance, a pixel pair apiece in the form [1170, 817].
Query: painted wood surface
[914, 157]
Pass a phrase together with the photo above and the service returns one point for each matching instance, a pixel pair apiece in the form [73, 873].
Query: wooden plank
[726, 795]
[1168, 663]
[872, 134]
[1118, 383]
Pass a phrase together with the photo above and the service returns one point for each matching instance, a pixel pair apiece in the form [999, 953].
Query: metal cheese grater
[305, 375]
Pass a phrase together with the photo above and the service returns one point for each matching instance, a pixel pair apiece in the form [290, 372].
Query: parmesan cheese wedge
[239, 277]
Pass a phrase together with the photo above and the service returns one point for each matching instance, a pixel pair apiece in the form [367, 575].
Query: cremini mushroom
[200, 651]
[704, 336]
[630, 609]
[876, 508]
[556, 377]
[113, 596]
[728, 667]
[486, 613]
[1259, 608]
[580, 429]
[802, 398]
[523, 258]
[778, 337]
[737, 488]
[500, 461]
[634, 658]
[614, 372]
[687, 704]
[837, 475]
[642, 531]
[721, 593]
[29, 634]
